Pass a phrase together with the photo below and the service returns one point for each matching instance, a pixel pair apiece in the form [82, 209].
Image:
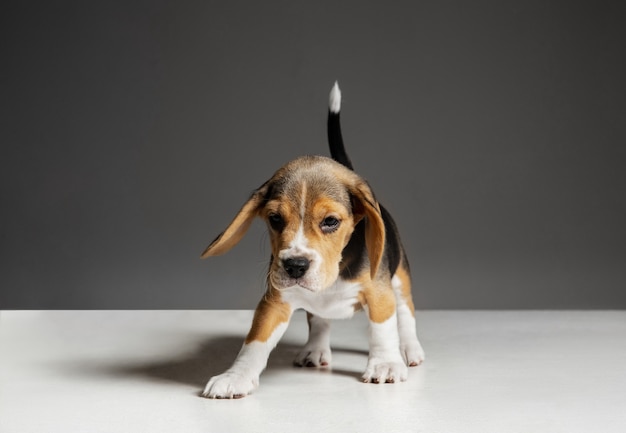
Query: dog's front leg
[385, 363]
[268, 326]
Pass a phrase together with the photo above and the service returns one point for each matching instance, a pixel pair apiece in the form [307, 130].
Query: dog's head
[311, 206]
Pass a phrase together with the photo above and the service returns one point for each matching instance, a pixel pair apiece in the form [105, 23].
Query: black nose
[296, 267]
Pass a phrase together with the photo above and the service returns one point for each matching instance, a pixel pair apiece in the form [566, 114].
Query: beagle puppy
[335, 250]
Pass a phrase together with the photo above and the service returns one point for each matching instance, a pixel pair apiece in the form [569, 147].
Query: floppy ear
[239, 226]
[366, 206]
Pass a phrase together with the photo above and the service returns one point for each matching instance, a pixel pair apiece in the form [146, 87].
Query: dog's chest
[339, 301]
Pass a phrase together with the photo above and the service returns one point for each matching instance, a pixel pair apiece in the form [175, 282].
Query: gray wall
[133, 131]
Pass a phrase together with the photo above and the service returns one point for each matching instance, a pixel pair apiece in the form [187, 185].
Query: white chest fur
[336, 302]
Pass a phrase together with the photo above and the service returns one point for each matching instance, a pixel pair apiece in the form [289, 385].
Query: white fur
[303, 201]
[410, 347]
[385, 364]
[243, 377]
[316, 351]
[396, 283]
[299, 247]
[334, 101]
[335, 302]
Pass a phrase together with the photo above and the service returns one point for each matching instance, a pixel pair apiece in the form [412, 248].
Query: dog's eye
[276, 221]
[330, 224]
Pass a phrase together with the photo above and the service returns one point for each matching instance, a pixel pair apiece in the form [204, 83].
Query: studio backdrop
[132, 132]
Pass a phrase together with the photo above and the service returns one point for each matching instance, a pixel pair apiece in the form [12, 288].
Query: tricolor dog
[335, 250]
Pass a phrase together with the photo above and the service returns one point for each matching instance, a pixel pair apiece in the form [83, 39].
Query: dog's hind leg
[410, 347]
[316, 351]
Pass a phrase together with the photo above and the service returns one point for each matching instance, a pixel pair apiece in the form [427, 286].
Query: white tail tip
[334, 101]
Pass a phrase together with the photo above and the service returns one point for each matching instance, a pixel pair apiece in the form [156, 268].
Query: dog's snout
[296, 267]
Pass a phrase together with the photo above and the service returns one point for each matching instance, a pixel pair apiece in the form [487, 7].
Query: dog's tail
[335, 141]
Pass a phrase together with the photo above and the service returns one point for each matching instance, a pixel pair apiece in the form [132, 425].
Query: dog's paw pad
[230, 385]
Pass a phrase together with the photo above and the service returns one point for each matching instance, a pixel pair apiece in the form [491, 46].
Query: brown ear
[365, 205]
[239, 226]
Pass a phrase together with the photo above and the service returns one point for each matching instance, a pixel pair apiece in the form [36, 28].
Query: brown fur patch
[329, 245]
[289, 211]
[269, 314]
[367, 206]
[239, 225]
[379, 298]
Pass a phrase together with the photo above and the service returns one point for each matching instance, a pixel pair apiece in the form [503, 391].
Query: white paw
[413, 354]
[230, 385]
[313, 356]
[383, 371]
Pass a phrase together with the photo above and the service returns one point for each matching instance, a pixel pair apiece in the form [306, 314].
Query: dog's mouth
[284, 283]
[304, 286]
[296, 283]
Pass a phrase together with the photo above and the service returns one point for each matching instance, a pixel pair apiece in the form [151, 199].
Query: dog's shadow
[214, 356]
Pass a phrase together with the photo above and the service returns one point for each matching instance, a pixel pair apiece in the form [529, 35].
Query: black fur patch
[354, 254]
[393, 249]
[335, 141]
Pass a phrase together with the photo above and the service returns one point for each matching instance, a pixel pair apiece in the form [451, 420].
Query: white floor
[142, 371]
